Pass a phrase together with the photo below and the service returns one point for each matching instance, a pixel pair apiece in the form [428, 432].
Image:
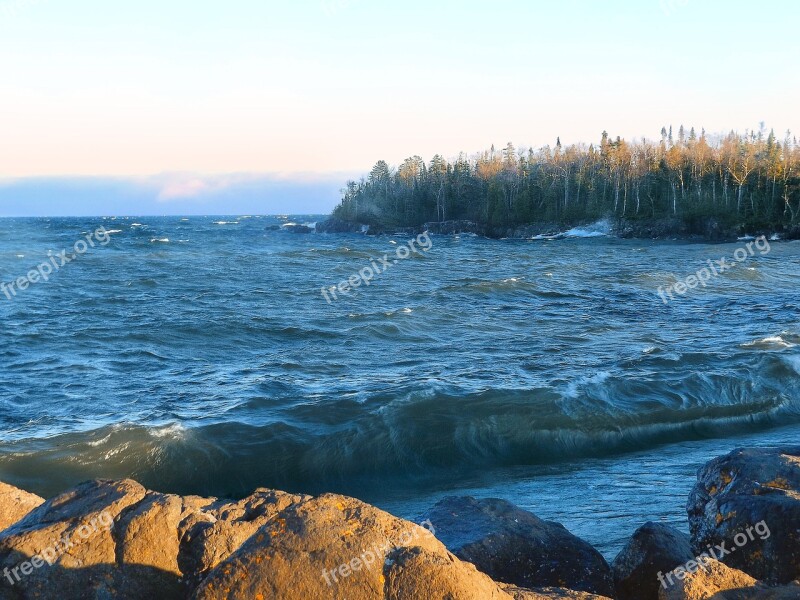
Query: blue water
[199, 355]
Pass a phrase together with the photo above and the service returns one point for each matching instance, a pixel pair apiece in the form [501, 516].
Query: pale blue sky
[179, 95]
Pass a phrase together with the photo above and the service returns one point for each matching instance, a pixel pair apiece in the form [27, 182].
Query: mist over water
[199, 356]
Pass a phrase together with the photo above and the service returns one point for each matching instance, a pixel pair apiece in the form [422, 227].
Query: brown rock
[338, 547]
[73, 532]
[15, 504]
[225, 526]
[711, 578]
[142, 543]
[417, 573]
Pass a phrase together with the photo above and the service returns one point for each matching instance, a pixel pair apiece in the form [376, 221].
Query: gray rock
[514, 546]
[749, 501]
[654, 549]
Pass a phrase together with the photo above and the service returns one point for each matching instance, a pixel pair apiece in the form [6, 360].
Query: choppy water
[199, 356]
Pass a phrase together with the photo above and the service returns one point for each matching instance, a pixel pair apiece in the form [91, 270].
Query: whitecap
[774, 342]
[573, 388]
[175, 431]
[161, 240]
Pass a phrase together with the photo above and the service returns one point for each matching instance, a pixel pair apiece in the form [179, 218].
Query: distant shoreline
[706, 230]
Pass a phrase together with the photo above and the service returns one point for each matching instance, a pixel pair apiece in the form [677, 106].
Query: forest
[750, 179]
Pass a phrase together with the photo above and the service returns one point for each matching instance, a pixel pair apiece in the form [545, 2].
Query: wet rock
[514, 546]
[295, 228]
[749, 501]
[334, 225]
[453, 227]
[15, 504]
[654, 549]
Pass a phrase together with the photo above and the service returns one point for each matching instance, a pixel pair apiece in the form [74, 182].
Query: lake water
[199, 355]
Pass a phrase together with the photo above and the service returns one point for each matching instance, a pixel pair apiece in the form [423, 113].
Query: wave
[425, 433]
[770, 343]
[601, 228]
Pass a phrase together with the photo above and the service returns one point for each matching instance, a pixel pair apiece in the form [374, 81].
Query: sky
[269, 107]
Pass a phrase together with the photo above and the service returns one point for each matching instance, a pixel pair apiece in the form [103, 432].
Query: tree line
[749, 179]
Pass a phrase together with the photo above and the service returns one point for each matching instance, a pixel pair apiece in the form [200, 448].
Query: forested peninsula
[687, 183]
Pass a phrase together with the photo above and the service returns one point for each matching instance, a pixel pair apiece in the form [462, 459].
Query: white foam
[161, 240]
[175, 431]
[770, 342]
[573, 389]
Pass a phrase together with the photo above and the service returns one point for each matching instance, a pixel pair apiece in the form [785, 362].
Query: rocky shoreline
[703, 230]
[115, 539]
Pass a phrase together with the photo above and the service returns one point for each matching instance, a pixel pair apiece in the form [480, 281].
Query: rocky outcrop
[297, 228]
[338, 547]
[653, 550]
[213, 536]
[334, 225]
[453, 227]
[104, 537]
[115, 539]
[514, 546]
[745, 508]
[15, 504]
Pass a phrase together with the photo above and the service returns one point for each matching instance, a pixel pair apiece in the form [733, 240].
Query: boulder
[712, 580]
[15, 504]
[116, 539]
[206, 542]
[514, 546]
[338, 547]
[519, 593]
[334, 225]
[296, 228]
[654, 548]
[749, 503]
[59, 543]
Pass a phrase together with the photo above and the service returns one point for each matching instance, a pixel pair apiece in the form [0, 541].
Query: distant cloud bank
[172, 193]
